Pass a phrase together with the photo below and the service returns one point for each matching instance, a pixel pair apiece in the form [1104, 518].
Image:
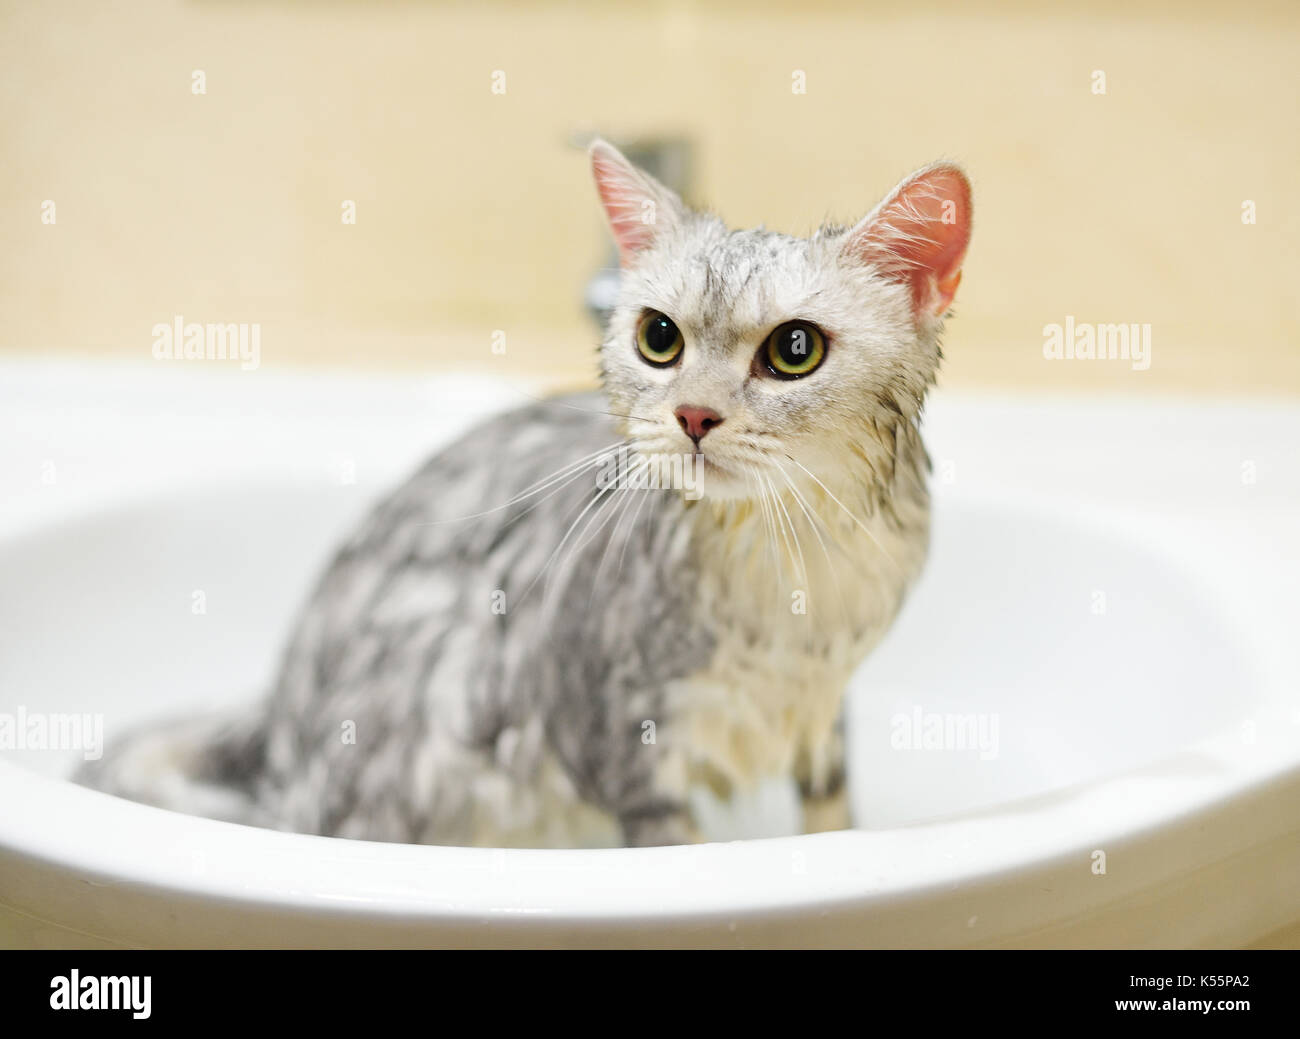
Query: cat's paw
[772, 808]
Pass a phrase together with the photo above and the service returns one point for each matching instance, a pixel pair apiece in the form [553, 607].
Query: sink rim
[106, 841]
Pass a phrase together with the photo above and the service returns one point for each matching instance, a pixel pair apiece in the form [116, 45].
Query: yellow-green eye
[793, 349]
[658, 339]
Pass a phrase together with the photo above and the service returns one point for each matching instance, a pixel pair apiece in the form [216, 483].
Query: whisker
[631, 530]
[608, 511]
[624, 508]
[600, 496]
[575, 407]
[776, 498]
[850, 515]
[566, 484]
[768, 526]
[566, 470]
[563, 541]
[813, 521]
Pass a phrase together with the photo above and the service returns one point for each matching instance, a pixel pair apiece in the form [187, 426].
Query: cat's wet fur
[495, 659]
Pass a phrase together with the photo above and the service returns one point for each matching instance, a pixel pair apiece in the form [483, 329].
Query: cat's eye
[793, 349]
[658, 340]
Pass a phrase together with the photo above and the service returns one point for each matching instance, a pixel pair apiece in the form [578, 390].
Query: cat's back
[452, 538]
[500, 594]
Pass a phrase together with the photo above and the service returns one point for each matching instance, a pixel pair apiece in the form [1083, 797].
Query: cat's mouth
[711, 468]
[711, 472]
[721, 477]
[718, 466]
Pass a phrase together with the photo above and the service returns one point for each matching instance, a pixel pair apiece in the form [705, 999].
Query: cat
[525, 646]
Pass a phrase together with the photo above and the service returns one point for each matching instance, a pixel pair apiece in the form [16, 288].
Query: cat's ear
[638, 207]
[918, 235]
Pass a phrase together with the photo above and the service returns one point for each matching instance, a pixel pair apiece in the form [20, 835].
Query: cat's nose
[696, 422]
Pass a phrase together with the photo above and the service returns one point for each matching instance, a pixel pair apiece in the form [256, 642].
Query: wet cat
[616, 618]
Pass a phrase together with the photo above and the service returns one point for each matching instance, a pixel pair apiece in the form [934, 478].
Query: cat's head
[769, 354]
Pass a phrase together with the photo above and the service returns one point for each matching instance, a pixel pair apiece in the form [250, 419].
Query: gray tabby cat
[528, 647]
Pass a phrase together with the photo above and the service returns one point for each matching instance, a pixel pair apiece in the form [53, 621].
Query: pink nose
[696, 422]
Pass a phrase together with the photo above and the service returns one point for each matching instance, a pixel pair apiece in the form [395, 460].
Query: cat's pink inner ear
[919, 234]
[631, 203]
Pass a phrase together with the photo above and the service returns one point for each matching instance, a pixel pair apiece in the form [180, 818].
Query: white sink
[1109, 613]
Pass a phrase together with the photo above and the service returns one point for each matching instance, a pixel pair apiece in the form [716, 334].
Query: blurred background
[200, 156]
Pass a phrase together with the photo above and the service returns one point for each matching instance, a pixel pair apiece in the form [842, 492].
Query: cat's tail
[209, 766]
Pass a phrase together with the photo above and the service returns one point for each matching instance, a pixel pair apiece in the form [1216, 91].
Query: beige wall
[474, 213]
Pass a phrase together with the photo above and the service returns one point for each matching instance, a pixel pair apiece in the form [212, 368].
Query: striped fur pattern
[512, 651]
